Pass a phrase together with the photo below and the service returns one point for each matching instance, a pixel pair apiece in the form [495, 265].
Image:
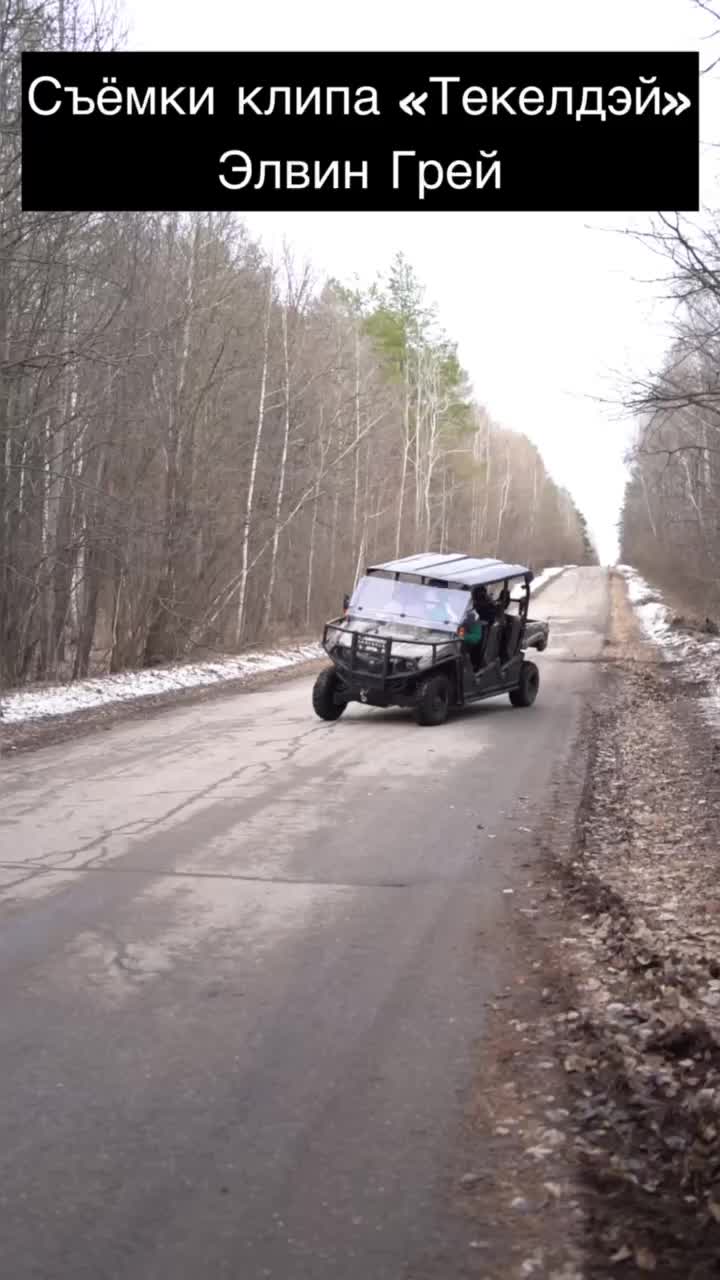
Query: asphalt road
[244, 964]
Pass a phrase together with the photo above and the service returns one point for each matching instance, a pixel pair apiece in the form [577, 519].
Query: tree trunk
[247, 522]
[281, 480]
[311, 557]
[405, 458]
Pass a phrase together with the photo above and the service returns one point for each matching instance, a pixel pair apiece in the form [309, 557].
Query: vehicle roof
[455, 569]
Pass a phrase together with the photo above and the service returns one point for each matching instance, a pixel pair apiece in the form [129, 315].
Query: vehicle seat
[493, 641]
[512, 635]
[475, 655]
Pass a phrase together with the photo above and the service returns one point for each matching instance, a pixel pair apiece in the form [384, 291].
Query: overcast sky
[551, 311]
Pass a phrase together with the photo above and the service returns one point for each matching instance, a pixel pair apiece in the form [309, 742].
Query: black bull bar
[368, 644]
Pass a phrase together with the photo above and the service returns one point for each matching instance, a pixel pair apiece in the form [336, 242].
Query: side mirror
[346, 602]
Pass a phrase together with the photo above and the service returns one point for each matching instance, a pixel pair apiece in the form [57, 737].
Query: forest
[201, 447]
[671, 517]
[670, 522]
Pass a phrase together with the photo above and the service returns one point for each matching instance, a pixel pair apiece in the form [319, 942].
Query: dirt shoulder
[595, 1128]
[31, 735]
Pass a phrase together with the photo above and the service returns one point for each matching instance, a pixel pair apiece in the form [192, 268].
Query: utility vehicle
[403, 638]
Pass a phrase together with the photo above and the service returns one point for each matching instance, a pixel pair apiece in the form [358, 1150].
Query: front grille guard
[379, 679]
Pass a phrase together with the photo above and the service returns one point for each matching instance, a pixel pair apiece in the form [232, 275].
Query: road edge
[34, 735]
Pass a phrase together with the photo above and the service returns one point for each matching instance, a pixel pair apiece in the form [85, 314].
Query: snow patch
[547, 575]
[541, 580]
[654, 616]
[63, 700]
[699, 654]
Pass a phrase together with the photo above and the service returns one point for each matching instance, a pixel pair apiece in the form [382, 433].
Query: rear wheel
[527, 689]
[323, 696]
[434, 701]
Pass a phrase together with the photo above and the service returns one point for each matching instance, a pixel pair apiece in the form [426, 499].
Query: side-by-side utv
[404, 638]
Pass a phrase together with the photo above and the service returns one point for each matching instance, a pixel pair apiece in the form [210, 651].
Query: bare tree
[198, 451]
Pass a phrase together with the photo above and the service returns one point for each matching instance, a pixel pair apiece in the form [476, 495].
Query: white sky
[550, 310]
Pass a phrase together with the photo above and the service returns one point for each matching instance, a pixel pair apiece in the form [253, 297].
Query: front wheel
[323, 696]
[434, 701]
[527, 689]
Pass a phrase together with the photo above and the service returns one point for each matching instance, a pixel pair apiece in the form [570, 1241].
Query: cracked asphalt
[245, 960]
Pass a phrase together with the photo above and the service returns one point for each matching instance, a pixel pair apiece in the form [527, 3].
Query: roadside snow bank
[547, 575]
[63, 700]
[655, 617]
[698, 653]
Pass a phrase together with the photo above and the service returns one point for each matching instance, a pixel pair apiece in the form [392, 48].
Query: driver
[485, 607]
[473, 630]
[480, 618]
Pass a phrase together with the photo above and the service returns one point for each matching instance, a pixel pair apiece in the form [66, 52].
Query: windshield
[386, 599]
